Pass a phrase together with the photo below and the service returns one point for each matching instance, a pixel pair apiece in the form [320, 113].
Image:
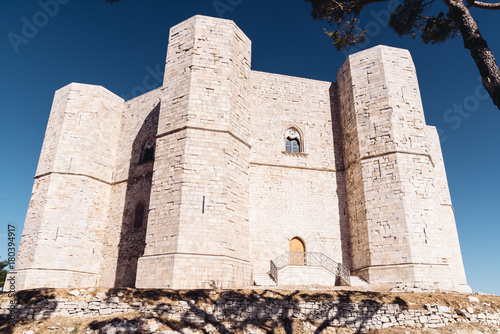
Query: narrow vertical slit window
[147, 151]
[139, 215]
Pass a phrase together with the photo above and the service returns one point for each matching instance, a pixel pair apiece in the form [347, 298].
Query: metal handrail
[309, 259]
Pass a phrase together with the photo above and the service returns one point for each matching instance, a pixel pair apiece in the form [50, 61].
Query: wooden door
[297, 249]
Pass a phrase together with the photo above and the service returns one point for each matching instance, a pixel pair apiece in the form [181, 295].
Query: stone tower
[399, 206]
[203, 154]
[67, 220]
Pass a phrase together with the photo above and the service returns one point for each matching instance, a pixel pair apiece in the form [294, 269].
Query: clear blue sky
[118, 45]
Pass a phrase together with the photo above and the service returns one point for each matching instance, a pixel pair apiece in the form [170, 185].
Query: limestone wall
[446, 212]
[67, 221]
[132, 186]
[305, 275]
[199, 203]
[393, 185]
[296, 194]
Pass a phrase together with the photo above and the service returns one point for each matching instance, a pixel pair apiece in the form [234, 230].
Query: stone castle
[224, 176]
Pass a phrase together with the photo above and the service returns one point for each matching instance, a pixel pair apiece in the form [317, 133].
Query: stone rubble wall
[255, 308]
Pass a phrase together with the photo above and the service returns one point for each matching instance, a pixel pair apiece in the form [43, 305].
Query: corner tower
[396, 186]
[197, 234]
[68, 215]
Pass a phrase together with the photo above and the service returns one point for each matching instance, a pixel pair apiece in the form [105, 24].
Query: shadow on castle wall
[340, 178]
[132, 236]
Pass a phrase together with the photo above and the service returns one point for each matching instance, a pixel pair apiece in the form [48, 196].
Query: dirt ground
[65, 325]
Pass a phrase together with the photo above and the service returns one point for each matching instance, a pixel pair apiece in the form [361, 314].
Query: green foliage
[343, 13]
[3, 271]
[344, 37]
[407, 18]
[439, 28]
[411, 18]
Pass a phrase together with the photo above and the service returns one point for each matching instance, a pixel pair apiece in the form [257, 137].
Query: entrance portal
[297, 249]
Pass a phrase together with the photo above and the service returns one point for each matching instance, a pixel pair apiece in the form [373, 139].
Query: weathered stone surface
[473, 299]
[74, 293]
[113, 300]
[227, 309]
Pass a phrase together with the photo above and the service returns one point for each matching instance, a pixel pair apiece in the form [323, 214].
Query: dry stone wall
[224, 310]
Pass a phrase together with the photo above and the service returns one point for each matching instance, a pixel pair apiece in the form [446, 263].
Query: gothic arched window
[293, 141]
[147, 150]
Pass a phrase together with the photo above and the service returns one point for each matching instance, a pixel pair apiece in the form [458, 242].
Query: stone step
[358, 281]
[263, 280]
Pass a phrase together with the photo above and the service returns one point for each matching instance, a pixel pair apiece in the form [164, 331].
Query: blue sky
[119, 45]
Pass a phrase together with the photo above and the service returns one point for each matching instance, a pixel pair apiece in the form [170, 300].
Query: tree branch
[339, 5]
[480, 52]
[484, 5]
[326, 11]
[362, 3]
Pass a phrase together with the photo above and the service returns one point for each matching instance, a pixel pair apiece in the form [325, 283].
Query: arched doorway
[297, 249]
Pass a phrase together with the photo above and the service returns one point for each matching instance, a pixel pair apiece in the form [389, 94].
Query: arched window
[293, 141]
[147, 150]
[138, 215]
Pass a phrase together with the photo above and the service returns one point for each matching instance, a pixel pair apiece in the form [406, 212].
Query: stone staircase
[263, 280]
[358, 281]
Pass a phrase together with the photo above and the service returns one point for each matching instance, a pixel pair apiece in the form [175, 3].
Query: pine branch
[484, 5]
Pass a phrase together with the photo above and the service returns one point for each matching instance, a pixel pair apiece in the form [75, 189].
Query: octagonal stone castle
[228, 177]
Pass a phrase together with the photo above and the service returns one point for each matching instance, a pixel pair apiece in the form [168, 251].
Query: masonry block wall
[296, 194]
[222, 196]
[392, 182]
[446, 218]
[198, 229]
[67, 220]
[132, 187]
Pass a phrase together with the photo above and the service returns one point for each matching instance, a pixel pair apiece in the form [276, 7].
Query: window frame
[292, 133]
